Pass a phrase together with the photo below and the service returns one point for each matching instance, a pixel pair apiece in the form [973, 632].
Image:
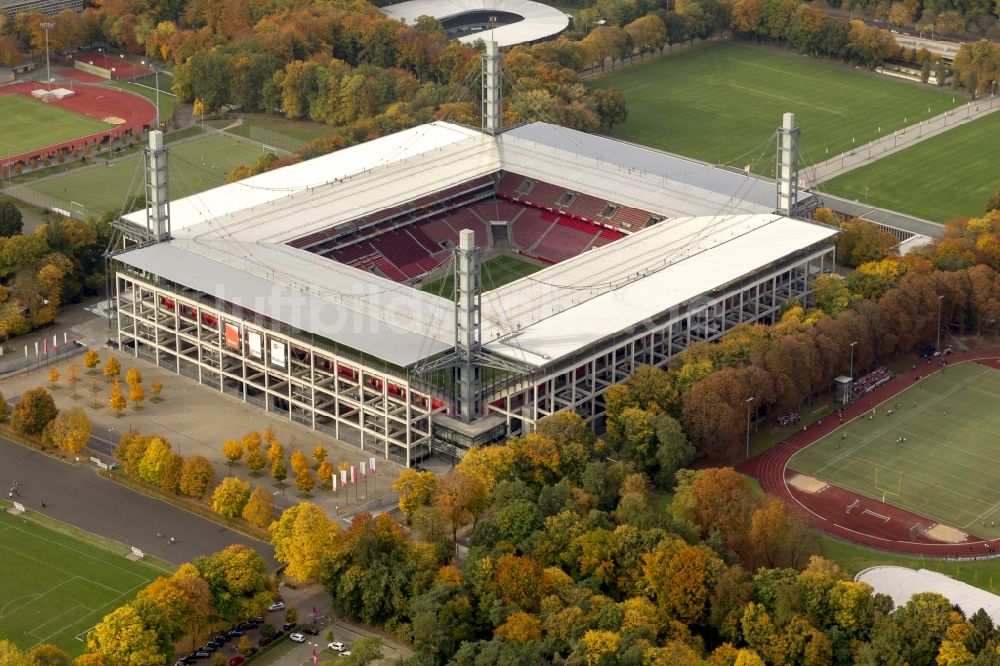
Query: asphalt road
[79, 496]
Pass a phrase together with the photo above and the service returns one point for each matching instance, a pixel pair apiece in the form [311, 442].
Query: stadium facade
[292, 290]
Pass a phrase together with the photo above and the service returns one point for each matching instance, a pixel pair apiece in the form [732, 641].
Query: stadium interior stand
[545, 222]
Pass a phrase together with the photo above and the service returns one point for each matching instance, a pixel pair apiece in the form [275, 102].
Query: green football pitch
[722, 102]
[194, 166]
[944, 470]
[27, 124]
[496, 272]
[57, 587]
[951, 175]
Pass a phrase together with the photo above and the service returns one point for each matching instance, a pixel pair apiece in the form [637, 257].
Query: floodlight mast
[492, 119]
[48, 73]
[787, 171]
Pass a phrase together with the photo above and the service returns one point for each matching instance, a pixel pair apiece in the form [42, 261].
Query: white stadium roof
[540, 21]
[901, 583]
[232, 242]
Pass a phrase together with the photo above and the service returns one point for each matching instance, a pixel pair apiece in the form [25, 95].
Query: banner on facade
[278, 353]
[232, 336]
[256, 344]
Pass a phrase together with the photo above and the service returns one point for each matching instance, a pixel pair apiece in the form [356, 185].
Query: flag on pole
[65, 338]
[315, 658]
[36, 349]
[361, 465]
[45, 346]
[315, 614]
[55, 341]
[354, 474]
[25, 352]
[371, 466]
[343, 477]
[333, 483]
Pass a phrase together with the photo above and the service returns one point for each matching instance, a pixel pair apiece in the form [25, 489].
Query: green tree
[610, 106]
[230, 497]
[10, 219]
[237, 578]
[278, 471]
[33, 412]
[196, 476]
[673, 450]
[122, 638]
[415, 489]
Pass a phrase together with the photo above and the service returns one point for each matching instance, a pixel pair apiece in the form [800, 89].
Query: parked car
[235, 633]
[311, 630]
[264, 641]
[336, 646]
[286, 626]
[345, 653]
[276, 606]
[237, 660]
[298, 638]
[202, 654]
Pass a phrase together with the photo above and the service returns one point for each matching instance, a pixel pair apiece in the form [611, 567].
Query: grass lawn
[496, 272]
[721, 103]
[56, 586]
[27, 124]
[951, 175]
[853, 558]
[167, 100]
[195, 166]
[290, 134]
[944, 470]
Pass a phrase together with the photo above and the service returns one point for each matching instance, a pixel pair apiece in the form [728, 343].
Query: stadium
[507, 22]
[297, 290]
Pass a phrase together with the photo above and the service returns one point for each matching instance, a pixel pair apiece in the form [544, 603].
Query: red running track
[97, 102]
[123, 69]
[871, 523]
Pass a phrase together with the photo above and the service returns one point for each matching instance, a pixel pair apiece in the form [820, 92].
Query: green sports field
[496, 272]
[27, 124]
[945, 468]
[195, 166]
[57, 587]
[721, 103]
[951, 175]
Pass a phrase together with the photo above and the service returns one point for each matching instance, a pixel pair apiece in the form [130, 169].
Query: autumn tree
[3, 407]
[91, 360]
[33, 412]
[238, 580]
[319, 454]
[723, 502]
[112, 368]
[778, 538]
[299, 461]
[53, 376]
[46, 654]
[197, 476]
[610, 106]
[259, 510]
[73, 376]
[133, 377]
[415, 489]
[275, 450]
[123, 638]
[680, 578]
[116, 400]
[302, 536]
[278, 471]
[325, 473]
[230, 497]
[304, 480]
[137, 395]
[458, 497]
[232, 449]
[69, 430]
[155, 460]
[156, 387]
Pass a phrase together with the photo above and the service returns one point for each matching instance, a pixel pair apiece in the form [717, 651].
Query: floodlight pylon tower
[157, 190]
[492, 80]
[468, 322]
[787, 168]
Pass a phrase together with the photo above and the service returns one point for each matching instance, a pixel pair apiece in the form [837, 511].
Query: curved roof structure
[901, 583]
[538, 21]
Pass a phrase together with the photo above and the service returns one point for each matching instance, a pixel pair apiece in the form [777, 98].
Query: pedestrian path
[899, 140]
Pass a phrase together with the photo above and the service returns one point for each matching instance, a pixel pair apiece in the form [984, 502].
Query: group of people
[789, 419]
[871, 381]
[170, 540]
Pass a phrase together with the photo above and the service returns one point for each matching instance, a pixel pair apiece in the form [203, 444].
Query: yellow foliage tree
[230, 497]
[299, 461]
[599, 644]
[319, 454]
[233, 450]
[520, 628]
[122, 638]
[415, 490]
[304, 479]
[196, 476]
[156, 387]
[53, 375]
[259, 510]
[302, 536]
[117, 401]
[136, 394]
[112, 368]
[133, 377]
[70, 430]
[325, 472]
[73, 376]
[275, 451]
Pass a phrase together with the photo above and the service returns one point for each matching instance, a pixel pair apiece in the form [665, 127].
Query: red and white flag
[333, 483]
[36, 349]
[361, 465]
[343, 477]
[354, 474]
[55, 342]
[371, 466]
[45, 346]
[315, 658]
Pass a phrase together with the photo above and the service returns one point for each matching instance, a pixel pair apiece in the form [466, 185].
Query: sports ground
[951, 175]
[945, 468]
[496, 272]
[27, 124]
[195, 166]
[57, 587]
[721, 103]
